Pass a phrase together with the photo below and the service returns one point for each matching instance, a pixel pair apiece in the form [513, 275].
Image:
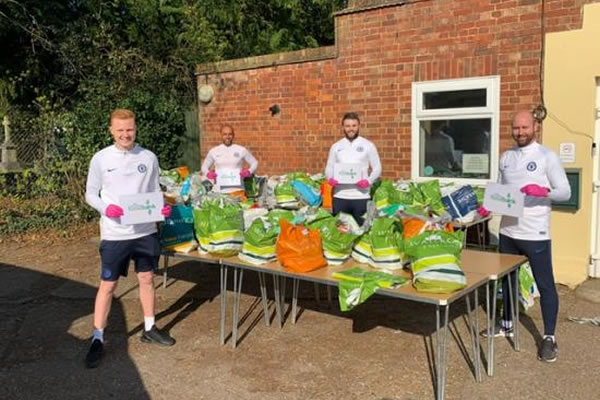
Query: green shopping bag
[435, 261]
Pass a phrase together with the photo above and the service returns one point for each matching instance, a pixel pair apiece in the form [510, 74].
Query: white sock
[148, 323]
[550, 336]
[98, 334]
[506, 324]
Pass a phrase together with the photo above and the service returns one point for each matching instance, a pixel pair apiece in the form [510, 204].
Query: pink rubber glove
[113, 211]
[212, 175]
[245, 173]
[332, 182]
[363, 184]
[535, 190]
[166, 210]
[483, 212]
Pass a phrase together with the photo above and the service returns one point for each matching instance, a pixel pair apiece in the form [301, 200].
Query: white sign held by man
[503, 199]
[228, 177]
[347, 173]
[141, 208]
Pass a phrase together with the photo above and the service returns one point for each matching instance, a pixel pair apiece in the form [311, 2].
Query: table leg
[317, 294]
[513, 305]
[493, 323]
[438, 353]
[282, 286]
[477, 341]
[165, 266]
[444, 358]
[237, 294]
[329, 302]
[263, 295]
[516, 320]
[474, 338]
[223, 304]
[488, 329]
[277, 299]
[295, 285]
[480, 238]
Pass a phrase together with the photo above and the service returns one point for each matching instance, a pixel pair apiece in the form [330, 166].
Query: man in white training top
[124, 168]
[229, 156]
[538, 172]
[352, 149]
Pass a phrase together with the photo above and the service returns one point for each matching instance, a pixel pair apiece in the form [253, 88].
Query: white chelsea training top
[537, 164]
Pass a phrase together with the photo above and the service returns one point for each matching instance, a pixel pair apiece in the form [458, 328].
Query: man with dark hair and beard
[352, 149]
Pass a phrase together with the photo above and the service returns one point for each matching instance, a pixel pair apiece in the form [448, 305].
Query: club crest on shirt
[236, 154]
[531, 166]
[360, 149]
[142, 168]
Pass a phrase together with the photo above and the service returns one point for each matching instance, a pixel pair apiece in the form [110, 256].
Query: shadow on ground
[44, 336]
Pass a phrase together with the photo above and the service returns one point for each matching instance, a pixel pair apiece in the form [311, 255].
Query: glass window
[455, 99]
[455, 129]
[455, 148]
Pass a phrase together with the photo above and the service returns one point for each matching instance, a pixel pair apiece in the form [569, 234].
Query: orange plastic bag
[327, 194]
[183, 172]
[239, 194]
[299, 248]
[415, 226]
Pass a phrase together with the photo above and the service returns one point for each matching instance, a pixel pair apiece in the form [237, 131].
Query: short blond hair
[122, 113]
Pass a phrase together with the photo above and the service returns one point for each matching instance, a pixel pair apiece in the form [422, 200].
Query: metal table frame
[494, 275]
[442, 304]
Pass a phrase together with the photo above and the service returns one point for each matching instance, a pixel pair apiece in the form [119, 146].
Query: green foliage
[65, 65]
[24, 215]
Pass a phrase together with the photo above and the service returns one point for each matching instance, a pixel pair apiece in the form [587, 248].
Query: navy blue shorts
[116, 254]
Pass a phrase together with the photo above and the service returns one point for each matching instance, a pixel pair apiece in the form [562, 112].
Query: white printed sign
[503, 200]
[228, 177]
[475, 163]
[349, 173]
[566, 152]
[141, 208]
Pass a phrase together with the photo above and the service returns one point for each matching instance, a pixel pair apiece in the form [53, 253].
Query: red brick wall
[380, 53]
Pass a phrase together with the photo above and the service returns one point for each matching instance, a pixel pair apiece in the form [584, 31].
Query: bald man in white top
[538, 172]
[229, 156]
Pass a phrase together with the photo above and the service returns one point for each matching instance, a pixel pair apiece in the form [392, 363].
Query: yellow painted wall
[572, 64]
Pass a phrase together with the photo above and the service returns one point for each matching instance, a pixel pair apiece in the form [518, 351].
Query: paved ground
[379, 351]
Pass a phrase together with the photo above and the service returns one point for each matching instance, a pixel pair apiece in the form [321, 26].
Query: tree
[68, 63]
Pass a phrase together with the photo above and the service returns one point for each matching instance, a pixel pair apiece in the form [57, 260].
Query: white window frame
[492, 110]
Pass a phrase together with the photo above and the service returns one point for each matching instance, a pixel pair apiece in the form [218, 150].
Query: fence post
[9, 151]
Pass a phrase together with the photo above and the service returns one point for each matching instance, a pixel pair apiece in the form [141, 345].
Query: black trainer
[499, 331]
[548, 350]
[92, 360]
[155, 335]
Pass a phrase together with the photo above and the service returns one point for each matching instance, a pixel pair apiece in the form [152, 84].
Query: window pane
[455, 99]
[455, 148]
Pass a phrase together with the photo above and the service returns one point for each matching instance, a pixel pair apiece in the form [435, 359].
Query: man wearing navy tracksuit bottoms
[538, 172]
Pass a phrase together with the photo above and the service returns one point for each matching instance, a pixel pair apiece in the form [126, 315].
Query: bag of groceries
[435, 261]
[299, 248]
